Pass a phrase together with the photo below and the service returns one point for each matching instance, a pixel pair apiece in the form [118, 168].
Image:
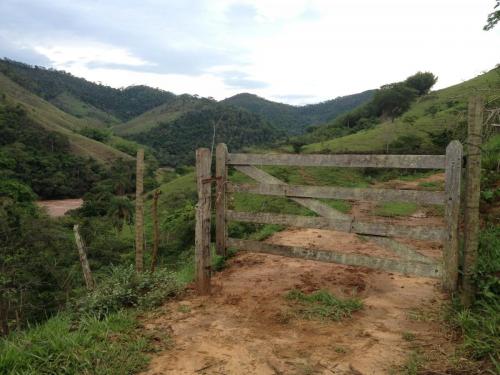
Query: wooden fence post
[220, 199]
[472, 192]
[87, 274]
[453, 176]
[202, 230]
[139, 212]
[156, 229]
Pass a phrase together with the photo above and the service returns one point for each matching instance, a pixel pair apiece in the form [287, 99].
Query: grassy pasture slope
[54, 119]
[166, 112]
[441, 109]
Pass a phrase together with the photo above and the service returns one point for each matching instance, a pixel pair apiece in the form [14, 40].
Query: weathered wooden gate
[411, 262]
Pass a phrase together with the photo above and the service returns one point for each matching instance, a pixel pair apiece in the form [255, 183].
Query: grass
[54, 119]
[408, 336]
[412, 365]
[339, 205]
[451, 105]
[323, 305]
[391, 209]
[479, 325]
[432, 185]
[113, 345]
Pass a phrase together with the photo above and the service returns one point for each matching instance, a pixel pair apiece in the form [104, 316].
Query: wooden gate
[410, 261]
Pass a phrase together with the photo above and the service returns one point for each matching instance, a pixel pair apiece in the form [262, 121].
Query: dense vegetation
[295, 119]
[41, 159]
[50, 84]
[175, 142]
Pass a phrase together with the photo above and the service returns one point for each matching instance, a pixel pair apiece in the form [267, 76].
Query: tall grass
[480, 324]
[61, 345]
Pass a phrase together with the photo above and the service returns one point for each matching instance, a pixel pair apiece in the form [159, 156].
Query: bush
[125, 288]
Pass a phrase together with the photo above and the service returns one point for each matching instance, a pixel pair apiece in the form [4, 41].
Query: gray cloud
[150, 30]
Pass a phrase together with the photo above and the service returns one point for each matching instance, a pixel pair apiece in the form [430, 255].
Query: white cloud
[310, 50]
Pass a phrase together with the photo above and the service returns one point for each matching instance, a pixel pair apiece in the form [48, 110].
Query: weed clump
[125, 288]
[323, 305]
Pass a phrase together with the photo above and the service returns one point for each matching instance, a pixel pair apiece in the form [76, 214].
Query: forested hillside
[54, 119]
[80, 97]
[162, 114]
[295, 119]
[174, 142]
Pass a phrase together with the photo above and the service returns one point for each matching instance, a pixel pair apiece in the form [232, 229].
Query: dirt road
[245, 327]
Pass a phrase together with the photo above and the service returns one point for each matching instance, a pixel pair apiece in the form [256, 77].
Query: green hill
[427, 126]
[176, 141]
[164, 113]
[80, 97]
[295, 119]
[54, 119]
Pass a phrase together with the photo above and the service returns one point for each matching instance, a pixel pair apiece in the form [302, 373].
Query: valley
[68, 157]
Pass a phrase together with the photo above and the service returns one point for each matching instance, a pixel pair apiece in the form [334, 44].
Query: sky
[292, 51]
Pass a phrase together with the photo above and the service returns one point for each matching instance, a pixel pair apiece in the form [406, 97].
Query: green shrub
[125, 288]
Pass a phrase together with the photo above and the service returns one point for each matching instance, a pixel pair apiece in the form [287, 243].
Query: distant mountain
[82, 98]
[176, 141]
[94, 117]
[295, 119]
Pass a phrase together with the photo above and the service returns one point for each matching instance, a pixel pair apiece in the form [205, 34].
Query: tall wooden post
[202, 230]
[139, 212]
[453, 177]
[220, 199]
[472, 192]
[87, 274]
[156, 229]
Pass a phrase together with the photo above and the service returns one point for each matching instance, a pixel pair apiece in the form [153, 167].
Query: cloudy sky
[294, 51]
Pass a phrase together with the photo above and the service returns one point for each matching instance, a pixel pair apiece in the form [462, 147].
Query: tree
[422, 82]
[121, 211]
[394, 99]
[493, 18]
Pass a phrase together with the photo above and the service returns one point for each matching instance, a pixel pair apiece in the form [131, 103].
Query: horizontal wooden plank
[331, 192]
[314, 205]
[358, 161]
[290, 220]
[390, 265]
[402, 250]
[359, 227]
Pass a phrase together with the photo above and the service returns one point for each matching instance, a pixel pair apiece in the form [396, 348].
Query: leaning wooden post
[139, 212]
[453, 177]
[472, 192]
[220, 199]
[87, 274]
[202, 230]
[156, 229]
